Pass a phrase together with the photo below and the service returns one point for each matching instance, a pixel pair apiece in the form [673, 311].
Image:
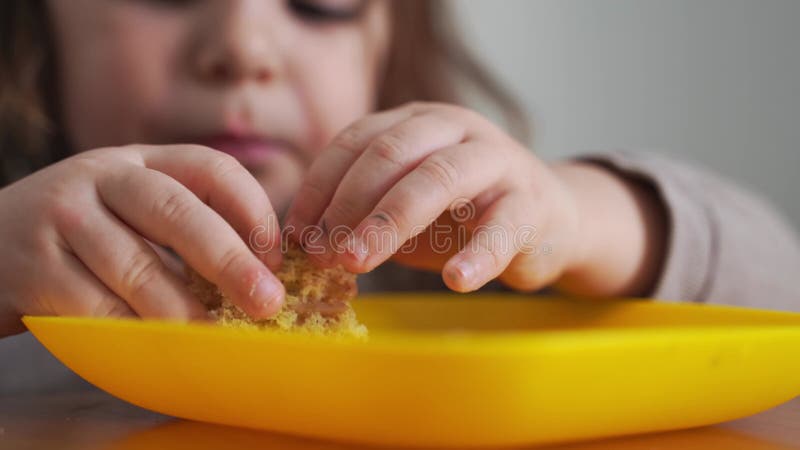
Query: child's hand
[399, 171]
[76, 234]
[390, 175]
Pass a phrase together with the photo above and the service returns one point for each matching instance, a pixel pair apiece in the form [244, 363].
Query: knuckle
[442, 171]
[457, 111]
[68, 217]
[462, 111]
[141, 271]
[232, 266]
[199, 148]
[351, 139]
[104, 160]
[174, 208]
[107, 307]
[389, 147]
[339, 212]
[91, 161]
[312, 190]
[224, 165]
[417, 106]
[103, 153]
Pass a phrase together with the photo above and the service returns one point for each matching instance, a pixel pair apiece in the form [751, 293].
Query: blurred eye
[327, 10]
[176, 4]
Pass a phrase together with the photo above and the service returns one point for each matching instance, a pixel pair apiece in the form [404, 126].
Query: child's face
[269, 81]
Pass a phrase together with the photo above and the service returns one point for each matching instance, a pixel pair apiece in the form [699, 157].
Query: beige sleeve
[726, 245]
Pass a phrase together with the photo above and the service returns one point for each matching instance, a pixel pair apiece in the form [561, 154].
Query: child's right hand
[75, 235]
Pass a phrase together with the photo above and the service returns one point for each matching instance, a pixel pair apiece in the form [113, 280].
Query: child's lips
[248, 150]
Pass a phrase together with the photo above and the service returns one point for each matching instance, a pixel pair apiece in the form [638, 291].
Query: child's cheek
[339, 76]
[341, 101]
[111, 77]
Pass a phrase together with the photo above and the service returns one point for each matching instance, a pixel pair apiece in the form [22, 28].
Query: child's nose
[233, 46]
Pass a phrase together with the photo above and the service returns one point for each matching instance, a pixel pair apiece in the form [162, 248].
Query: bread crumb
[316, 302]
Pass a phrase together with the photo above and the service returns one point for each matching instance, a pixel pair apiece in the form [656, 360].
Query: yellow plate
[448, 370]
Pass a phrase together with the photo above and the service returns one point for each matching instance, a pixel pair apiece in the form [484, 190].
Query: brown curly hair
[426, 62]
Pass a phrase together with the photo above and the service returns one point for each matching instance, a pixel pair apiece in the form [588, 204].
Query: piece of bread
[317, 300]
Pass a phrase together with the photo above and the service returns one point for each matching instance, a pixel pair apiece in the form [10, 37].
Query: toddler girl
[212, 128]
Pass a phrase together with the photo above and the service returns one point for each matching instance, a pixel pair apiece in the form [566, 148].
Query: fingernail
[357, 248]
[463, 271]
[266, 294]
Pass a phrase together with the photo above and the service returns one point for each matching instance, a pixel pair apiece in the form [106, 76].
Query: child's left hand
[399, 171]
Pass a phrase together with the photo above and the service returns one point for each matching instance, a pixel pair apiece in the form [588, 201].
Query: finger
[171, 260]
[167, 213]
[505, 230]
[459, 172]
[221, 182]
[387, 158]
[327, 170]
[127, 265]
[73, 290]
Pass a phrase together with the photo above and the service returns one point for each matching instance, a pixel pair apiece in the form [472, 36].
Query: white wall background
[713, 81]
